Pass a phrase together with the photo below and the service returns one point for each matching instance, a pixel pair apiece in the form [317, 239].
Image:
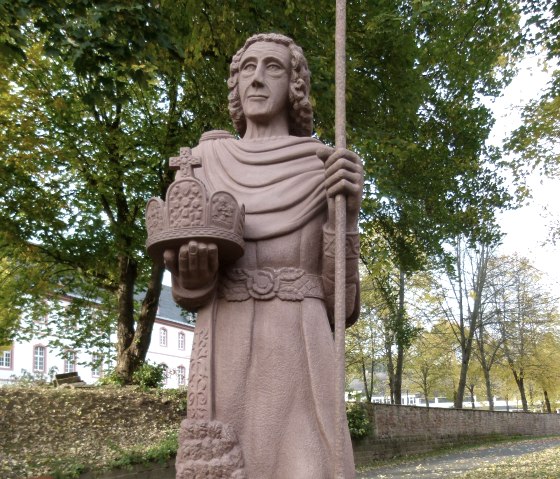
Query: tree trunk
[147, 317]
[468, 328]
[489, 396]
[371, 381]
[466, 356]
[520, 381]
[364, 377]
[486, 365]
[427, 399]
[547, 402]
[133, 342]
[398, 374]
[425, 387]
[401, 340]
[471, 391]
[390, 371]
[128, 273]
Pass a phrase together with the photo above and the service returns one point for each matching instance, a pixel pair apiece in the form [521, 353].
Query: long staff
[340, 241]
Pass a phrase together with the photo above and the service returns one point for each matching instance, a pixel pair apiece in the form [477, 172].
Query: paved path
[456, 463]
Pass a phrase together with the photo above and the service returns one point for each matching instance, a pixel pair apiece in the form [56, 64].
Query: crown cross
[184, 163]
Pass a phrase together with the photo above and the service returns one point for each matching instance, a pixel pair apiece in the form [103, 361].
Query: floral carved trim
[287, 284]
[208, 449]
[198, 400]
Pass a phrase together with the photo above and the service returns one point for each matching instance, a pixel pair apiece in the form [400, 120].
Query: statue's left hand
[344, 174]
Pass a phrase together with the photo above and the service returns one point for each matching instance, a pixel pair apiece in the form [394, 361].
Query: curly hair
[301, 112]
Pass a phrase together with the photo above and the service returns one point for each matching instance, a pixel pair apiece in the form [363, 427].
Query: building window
[6, 358]
[163, 337]
[97, 365]
[181, 375]
[181, 341]
[70, 361]
[39, 358]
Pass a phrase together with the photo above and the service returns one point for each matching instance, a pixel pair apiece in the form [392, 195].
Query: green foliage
[359, 421]
[536, 143]
[429, 173]
[432, 365]
[32, 379]
[364, 349]
[147, 376]
[150, 376]
[162, 451]
[111, 378]
[96, 95]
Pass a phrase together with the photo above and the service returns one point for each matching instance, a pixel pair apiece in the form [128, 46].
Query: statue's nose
[258, 76]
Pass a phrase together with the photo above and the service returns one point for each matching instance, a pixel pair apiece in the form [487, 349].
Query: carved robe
[272, 351]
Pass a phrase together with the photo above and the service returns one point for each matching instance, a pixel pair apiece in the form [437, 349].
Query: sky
[527, 229]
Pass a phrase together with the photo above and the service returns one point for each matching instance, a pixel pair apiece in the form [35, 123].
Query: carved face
[264, 80]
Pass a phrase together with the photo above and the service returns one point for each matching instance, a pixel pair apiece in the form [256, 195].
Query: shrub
[147, 376]
[27, 378]
[358, 420]
[110, 378]
[150, 376]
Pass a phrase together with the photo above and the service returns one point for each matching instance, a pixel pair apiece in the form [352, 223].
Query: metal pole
[340, 241]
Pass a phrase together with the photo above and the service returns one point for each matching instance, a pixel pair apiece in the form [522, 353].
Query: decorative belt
[287, 284]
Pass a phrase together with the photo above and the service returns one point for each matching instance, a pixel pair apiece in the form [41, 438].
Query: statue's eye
[249, 67]
[274, 67]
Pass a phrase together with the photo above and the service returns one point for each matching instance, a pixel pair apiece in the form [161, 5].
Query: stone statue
[261, 389]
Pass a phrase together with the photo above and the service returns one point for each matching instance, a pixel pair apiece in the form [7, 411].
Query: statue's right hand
[194, 266]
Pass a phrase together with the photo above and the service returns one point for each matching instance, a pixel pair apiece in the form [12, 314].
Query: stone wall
[400, 430]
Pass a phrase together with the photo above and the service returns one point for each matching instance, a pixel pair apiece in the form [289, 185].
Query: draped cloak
[272, 358]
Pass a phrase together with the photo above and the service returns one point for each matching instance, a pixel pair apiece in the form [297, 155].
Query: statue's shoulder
[216, 135]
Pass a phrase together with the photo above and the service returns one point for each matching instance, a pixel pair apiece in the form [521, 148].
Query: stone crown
[189, 212]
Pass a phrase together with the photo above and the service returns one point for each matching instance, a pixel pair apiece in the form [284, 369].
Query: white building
[171, 345]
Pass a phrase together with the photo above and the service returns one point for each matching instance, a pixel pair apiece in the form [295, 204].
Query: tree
[545, 369]
[397, 328]
[525, 312]
[461, 303]
[451, 53]
[416, 117]
[383, 334]
[488, 352]
[84, 149]
[475, 379]
[96, 95]
[430, 360]
[364, 350]
[536, 143]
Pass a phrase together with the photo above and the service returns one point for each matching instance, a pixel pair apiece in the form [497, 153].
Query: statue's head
[300, 110]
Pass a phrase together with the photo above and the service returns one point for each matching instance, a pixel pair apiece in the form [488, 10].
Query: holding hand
[195, 266]
[344, 174]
